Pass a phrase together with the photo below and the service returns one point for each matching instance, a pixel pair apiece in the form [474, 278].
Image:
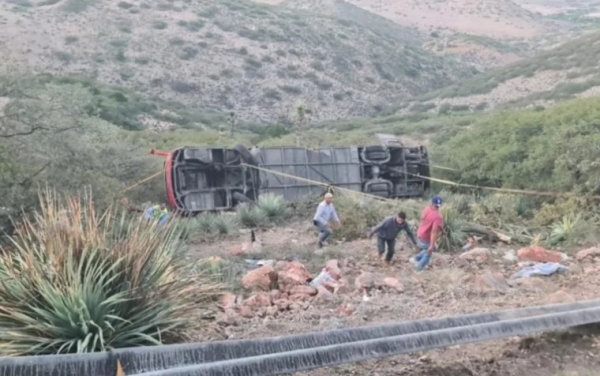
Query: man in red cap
[430, 228]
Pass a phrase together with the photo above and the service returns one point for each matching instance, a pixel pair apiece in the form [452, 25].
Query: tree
[49, 135]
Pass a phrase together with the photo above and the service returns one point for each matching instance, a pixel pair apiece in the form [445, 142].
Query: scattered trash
[323, 278]
[260, 262]
[543, 269]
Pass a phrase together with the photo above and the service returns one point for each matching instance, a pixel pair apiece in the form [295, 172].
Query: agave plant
[568, 229]
[224, 224]
[250, 215]
[74, 280]
[454, 236]
[272, 206]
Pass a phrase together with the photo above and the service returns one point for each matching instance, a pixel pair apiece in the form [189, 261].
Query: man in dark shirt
[387, 232]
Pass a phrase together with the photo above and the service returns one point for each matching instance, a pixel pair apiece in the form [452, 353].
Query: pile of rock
[282, 287]
[286, 286]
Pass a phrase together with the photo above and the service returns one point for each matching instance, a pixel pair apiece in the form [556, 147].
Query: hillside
[479, 33]
[233, 55]
[570, 70]
[344, 10]
[503, 19]
[500, 19]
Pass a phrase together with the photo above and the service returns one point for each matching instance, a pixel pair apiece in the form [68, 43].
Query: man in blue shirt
[325, 214]
[387, 231]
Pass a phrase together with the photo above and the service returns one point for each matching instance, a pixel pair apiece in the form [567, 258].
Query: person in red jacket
[430, 229]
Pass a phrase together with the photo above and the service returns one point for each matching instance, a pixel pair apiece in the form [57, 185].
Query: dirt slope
[255, 59]
[452, 285]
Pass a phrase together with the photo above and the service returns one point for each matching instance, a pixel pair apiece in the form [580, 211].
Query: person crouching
[387, 231]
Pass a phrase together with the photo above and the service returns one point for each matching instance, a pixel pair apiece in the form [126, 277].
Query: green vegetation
[209, 224]
[272, 206]
[554, 149]
[77, 280]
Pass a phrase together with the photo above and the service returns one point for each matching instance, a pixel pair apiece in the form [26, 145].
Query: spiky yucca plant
[224, 224]
[272, 206]
[206, 224]
[250, 215]
[75, 280]
[571, 229]
[454, 237]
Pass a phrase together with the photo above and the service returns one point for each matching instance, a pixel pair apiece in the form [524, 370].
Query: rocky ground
[275, 299]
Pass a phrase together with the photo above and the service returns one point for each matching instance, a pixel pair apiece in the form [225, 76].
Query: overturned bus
[214, 179]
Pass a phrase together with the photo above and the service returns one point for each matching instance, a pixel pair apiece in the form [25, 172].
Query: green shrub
[454, 237]
[76, 281]
[272, 206]
[250, 215]
[571, 229]
[224, 224]
[208, 224]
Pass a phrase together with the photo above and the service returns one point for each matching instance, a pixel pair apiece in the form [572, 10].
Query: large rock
[477, 254]
[588, 254]
[293, 267]
[539, 254]
[263, 278]
[291, 274]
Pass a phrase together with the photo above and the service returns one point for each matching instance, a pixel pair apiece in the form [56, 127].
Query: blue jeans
[391, 247]
[324, 232]
[423, 257]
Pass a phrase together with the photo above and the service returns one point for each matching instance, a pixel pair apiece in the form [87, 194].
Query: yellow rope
[329, 187]
[143, 181]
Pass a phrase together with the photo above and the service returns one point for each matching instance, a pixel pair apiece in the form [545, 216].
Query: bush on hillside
[208, 224]
[75, 280]
[272, 206]
[250, 215]
[572, 229]
[554, 150]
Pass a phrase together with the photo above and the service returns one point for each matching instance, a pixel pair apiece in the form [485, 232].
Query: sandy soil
[450, 286]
